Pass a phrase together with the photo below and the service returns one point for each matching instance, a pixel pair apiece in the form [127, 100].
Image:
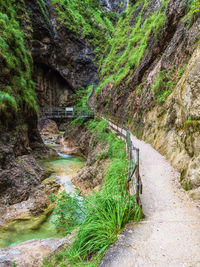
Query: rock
[63, 62]
[191, 87]
[30, 253]
[47, 127]
[193, 172]
[195, 194]
[18, 180]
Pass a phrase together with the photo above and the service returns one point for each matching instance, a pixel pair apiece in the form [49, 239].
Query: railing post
[137, 176]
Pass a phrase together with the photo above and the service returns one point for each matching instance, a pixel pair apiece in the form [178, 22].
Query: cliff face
[59, 62]
[150, 76]
[147, 56]
[63, 62]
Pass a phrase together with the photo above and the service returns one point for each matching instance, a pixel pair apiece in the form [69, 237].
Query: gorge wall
[142, 57]
[150, 77]
[41, 66]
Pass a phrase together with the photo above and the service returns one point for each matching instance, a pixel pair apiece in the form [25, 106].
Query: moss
[187, 186]
[16, 61]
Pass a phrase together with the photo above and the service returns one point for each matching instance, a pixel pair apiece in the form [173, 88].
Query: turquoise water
[42, 227]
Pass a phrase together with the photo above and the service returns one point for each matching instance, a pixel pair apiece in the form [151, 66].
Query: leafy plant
[67, 211]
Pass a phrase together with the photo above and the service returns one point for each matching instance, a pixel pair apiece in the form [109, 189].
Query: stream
[64, 166]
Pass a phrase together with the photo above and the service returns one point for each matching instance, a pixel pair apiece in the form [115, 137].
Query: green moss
[16, 61]
[187, 186]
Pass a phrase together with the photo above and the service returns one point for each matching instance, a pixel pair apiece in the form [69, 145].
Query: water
[43, 227]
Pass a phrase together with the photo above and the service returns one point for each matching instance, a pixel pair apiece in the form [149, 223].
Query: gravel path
[170, 233]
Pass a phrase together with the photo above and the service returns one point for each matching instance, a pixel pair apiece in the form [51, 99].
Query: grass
[104, 213]
[129, 44]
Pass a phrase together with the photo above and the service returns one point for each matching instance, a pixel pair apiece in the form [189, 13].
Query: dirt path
[170, 233]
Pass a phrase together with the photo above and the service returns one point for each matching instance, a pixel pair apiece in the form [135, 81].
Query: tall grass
[104, 213]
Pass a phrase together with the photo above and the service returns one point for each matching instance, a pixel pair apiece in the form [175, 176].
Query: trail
[170, 233]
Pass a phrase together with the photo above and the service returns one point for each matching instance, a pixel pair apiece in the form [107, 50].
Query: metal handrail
[69, 112]
[133, 157]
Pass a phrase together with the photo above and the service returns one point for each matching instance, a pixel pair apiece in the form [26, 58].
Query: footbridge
[66, 112]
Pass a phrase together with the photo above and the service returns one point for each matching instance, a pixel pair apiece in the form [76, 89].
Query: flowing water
[64, 166]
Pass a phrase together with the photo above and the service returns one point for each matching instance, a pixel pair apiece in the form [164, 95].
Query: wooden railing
[66, 112]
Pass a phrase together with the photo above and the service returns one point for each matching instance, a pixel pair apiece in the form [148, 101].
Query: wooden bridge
[67, 112]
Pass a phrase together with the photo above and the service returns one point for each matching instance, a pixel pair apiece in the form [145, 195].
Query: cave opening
[51, 88]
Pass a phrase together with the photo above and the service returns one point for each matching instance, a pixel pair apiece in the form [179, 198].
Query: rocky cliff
[42, 65]
[150, 76]
[145, 53]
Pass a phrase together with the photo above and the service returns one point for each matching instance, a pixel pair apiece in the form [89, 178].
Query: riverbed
[63, 167]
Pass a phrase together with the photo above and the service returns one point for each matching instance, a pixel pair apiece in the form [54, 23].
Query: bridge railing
[66, 112]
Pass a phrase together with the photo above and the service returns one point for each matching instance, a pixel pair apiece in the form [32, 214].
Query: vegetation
[8, 104]
[101, 216]
[16, 62]
[130, 43]
[197, 6]
[163, 86]
[87, 20]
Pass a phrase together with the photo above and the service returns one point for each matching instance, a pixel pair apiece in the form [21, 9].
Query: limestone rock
[47, 126]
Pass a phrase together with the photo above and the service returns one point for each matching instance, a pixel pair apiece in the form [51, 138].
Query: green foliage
[67, 211]
[87, 20]
[197, 6]
[129, 44]
[8, 104]
[43, 8]
[191, 12]
[186, 185]
[180, 73]
[16, 61]
[104, 213]
[162, 86]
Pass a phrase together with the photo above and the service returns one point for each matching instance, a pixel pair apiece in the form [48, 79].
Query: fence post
[137, 177]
